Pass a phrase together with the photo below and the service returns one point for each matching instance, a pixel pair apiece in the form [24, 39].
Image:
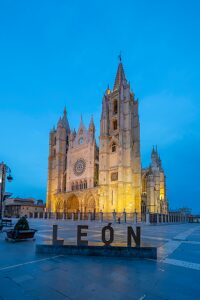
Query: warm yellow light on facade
[108, 91]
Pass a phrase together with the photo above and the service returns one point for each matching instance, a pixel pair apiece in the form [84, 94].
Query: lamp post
[4, 169]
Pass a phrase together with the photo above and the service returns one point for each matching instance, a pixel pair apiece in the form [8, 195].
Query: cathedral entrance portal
[72, 204]
[89, 204]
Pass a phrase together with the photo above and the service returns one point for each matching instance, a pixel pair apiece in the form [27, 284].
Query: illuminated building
[83, 177]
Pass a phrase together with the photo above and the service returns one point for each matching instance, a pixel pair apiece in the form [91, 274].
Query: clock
[79, 167]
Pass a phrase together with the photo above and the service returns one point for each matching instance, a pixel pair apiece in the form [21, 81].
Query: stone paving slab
[187, 252]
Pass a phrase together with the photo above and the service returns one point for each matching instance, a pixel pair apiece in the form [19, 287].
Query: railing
[114, 217]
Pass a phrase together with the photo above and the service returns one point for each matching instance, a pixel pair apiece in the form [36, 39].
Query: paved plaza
[175, 275]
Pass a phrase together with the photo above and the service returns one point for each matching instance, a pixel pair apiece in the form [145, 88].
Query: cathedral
[87, 176]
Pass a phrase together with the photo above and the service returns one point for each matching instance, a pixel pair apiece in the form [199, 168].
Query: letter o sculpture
[111, 238]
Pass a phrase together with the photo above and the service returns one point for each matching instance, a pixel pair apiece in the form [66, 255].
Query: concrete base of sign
[96, 250]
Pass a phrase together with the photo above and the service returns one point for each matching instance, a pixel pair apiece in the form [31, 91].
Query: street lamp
[4, 169]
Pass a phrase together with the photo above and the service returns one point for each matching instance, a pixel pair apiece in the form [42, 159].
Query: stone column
[147, 218]
[101, 216]
[135, 217]
[114, 216]
[72, 216]
[157, 218]
[172, 218]
[161, 218]
[167, 218]
[79, 215]
[89, 216]
[124, 216]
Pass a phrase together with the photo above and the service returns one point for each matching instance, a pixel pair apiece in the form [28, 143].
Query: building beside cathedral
[84, 177]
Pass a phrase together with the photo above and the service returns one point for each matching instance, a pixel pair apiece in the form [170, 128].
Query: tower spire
[65, 120]
[120, 76]
[91, 125]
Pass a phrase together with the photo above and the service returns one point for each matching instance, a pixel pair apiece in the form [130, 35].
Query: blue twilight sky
[57, 53]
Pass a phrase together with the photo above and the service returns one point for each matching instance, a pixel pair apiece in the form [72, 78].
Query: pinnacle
[120, 76]
[91, 122]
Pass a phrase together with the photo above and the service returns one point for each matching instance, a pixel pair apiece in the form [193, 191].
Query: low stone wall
[110, 251]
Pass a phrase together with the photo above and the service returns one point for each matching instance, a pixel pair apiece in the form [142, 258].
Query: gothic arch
[144, 182]
[112, 142]
[89, 203]
[72, 204]
[59, 205]
[143, 207]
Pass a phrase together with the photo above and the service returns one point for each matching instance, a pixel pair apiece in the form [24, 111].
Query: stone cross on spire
[120, 56]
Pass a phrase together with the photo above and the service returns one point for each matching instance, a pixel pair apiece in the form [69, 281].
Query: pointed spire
[153, 151]
[91, 125]
[120, 76]
[59, 124]
[81, 120]
[81, 126]
[65, 111]
[65, 120]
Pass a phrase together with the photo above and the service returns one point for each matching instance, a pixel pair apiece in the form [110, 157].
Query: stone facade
[18, 207]
[83, 178]
[154, 186]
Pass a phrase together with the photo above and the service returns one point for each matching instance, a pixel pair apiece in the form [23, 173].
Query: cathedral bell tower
[57, 163]
[119, 153]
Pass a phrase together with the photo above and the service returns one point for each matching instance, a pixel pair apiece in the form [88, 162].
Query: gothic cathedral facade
[84, 177]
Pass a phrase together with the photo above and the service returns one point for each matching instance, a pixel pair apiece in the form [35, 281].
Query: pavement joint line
[169, 247]
[156, 238]
[181, 263]
[44, 235]
[29, 262]
[191, 242]
[183, 235]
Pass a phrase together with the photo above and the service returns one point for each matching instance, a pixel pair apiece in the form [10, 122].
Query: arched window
[115, 107]
[64, 183]
[85, 185]
[55, 140]
[54, 152]
[77, 186]
[114, 147]
[115, 125]
[81, 185]
[143, 207]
